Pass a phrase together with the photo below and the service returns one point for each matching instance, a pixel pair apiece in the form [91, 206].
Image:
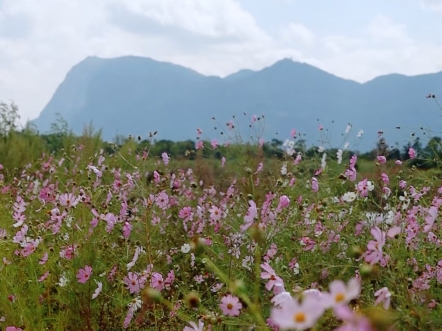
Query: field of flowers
[94, 241]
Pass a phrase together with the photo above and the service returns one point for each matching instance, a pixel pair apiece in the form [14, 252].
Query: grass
[168, 242]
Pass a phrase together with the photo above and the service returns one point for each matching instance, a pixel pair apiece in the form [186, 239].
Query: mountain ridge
[135, 95]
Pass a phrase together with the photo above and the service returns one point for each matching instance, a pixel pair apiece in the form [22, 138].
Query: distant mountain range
[135, 95]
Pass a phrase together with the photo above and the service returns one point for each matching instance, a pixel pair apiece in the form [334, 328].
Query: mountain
[135, 95]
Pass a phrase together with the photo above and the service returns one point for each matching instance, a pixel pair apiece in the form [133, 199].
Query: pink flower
[293, 133]
[385, 178]
[44, 259]
[383, 295]
[270, 274]
[13, 328]
[381, 159]
[297, 315]
[157, 281]
[83, 275]
[375, 246]
[42, 278]
[214, 144]
[284, 202]
[411, 153]
[230, 305]
[199, 144]
[215, 213]
[341, 294]
[199, 327]
[398, 162]
[133, 282]
[162, 200]
[223, 162]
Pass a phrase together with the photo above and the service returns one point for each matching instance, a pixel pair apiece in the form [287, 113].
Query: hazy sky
[40, 40]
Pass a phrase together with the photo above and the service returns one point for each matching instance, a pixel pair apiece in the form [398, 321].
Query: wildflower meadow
[118, 238]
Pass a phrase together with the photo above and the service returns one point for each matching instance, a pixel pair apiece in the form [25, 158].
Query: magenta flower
[230, 305]
[411, 153]
[83, 275]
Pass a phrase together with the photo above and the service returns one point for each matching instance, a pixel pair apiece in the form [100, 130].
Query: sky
[40, 41]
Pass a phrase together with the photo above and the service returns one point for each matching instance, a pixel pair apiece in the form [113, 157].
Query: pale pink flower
[162, 200]
[270, 274]
[341, 294]
[430, 218]
[223, 162]
[315, 185]
[215, 213]
[411, 153]
[297, 315]
[293, 133]
[165, 157]
[97, 290]
[383, 296]
[83, 275]
[194, 327]
[398, 162]
[68, 200]
[230, 305]
[133, 283]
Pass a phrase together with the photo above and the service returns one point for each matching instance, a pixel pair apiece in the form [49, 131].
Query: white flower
[135, 304]
[339, 155]
[185, 248]
[296, 268]
[360, 133]
[349, 197]
[284, 169]
[370, 185]
[348, 128]
[63, 281]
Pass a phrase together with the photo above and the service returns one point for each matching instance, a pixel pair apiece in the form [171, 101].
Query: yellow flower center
[299, 317]
[339, 297]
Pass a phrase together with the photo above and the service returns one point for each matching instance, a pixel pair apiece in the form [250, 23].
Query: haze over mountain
[134, 95]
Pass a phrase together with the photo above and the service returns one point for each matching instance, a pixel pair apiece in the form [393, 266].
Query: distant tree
[8, 118]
